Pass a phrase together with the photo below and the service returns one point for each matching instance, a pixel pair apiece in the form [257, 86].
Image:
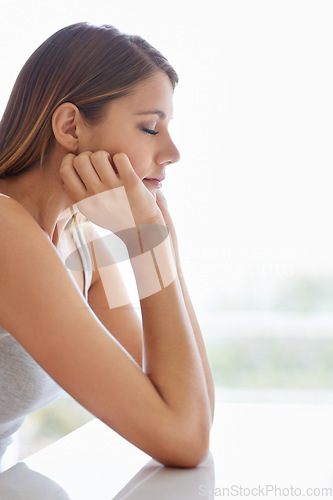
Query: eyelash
[150, 131]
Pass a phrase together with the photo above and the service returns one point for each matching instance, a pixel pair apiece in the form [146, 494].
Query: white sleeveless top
[24, 386]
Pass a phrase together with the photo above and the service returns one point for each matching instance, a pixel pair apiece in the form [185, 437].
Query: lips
[155, 182]
[159, 178]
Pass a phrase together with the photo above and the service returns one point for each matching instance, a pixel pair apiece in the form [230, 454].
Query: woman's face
[137, 125]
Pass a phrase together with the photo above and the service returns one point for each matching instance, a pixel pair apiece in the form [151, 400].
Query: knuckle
[66, 161]
[64, 171]
[100, 156]
[82, 157]
[79, 160]
[119, 157]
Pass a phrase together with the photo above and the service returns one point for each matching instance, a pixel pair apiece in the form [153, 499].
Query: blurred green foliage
[306, 293]
[279, 363]
[51, 423]
[299, 293]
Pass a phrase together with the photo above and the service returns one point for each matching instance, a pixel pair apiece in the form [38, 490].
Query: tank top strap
[85, 256]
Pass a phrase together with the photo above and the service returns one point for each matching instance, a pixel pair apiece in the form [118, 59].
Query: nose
[168, 154]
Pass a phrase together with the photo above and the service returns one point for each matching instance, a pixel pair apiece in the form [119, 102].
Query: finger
[87, 173]
[125, 170]
[160, 198]
[72, 183]
[101, 161]
[162, 203]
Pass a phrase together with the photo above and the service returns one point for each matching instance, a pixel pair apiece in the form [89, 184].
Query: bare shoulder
[31, 268]
[8, 203]
[20, 234]
[13, 214]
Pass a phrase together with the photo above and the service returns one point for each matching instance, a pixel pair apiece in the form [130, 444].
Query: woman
[87, 125]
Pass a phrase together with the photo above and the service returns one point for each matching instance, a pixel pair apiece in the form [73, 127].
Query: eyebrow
[158, 112]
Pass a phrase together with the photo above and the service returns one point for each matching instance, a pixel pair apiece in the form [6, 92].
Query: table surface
[267, 450]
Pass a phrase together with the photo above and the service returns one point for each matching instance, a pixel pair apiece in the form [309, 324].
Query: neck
[40, 192]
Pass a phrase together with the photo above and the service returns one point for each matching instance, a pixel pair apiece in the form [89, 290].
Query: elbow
[187, 450]
[185, 461]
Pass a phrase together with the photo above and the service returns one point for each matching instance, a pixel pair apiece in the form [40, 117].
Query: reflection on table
[256, 449]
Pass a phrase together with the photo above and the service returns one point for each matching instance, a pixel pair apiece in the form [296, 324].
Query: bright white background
[253, 119]
[252, 195]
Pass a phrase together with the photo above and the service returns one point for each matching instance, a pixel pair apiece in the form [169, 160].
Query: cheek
[113, 143]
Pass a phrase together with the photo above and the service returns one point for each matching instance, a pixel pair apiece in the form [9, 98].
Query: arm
[107, 292]
[162, 409]
[161, 201]
[123, 321]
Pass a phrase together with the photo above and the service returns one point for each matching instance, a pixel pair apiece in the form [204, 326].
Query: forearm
[172, 358]
[194, 323]
[200, 343]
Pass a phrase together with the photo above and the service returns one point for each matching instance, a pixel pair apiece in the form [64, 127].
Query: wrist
[143, 237]
[154, 269]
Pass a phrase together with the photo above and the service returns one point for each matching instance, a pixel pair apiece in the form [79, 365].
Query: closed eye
[150, 131]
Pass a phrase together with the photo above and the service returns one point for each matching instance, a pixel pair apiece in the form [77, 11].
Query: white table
[257, 450]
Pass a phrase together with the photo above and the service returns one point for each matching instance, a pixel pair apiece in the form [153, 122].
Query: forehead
[155, 93]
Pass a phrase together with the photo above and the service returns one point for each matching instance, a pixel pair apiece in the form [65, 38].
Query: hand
[163, 206]
[111, 196]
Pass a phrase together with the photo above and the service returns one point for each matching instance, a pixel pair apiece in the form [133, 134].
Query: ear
[65, 124]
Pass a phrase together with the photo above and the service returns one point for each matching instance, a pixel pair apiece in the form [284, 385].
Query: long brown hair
[83, 64]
